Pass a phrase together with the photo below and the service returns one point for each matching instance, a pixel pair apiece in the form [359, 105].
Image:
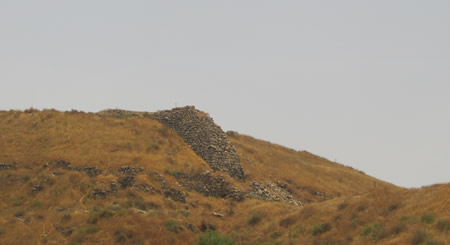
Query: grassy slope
[305, 172]
[354, 201]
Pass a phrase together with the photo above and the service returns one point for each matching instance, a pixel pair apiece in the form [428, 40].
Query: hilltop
[172, 177]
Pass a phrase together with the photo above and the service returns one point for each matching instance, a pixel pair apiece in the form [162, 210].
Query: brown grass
[351, 203]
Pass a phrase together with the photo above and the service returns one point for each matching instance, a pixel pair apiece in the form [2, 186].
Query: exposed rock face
[205, 138]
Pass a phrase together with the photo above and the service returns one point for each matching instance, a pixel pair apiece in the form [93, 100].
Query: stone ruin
[205, 138]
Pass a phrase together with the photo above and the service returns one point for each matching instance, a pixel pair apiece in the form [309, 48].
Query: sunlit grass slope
[311, 178]
[341, 205]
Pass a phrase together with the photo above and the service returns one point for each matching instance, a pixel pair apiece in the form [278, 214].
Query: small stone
[217, 215]
[37, 188]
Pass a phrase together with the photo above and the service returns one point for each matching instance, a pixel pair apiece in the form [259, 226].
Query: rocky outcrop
[64, 230]
[209, 185]
[204, 137]
[91, 171]
[129, 170]
[273, 191]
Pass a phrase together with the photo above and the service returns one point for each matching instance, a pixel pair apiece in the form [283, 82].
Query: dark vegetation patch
[319, 229]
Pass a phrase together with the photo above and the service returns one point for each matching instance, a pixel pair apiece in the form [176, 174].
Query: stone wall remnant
[205, 138]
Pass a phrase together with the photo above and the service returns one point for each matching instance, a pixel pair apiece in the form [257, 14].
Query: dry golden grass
[304, 171]
[356, 209]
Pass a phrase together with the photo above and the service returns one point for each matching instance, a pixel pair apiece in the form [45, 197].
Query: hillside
[120, 177]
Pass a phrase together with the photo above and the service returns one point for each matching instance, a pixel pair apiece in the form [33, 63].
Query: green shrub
[434, 242]
[360, 208]
[391, 208]
[121, 236]
[297, 231]
[286, 222]
[36, 204]
[427, 218]
[19, 201]
[320, 229]
[423, 237]
[355, 222]
[255, 219]
[397, 229]
[2, 230]
[420, 236]
[275, 234]
[25, 178]
[443, 225]
[342, 206]
[173, 226]
[66, 217]
[19, 213]
[366, 230]
[39, 217]
[213, 238]
[376, 231]
[175, 173]
[98, 213]
[82, 232]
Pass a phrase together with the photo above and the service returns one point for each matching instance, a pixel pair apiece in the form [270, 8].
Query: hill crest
[74, 177]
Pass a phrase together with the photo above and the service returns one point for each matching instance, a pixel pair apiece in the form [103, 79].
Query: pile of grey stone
[205, 138]
[273, 191]
[209, 185]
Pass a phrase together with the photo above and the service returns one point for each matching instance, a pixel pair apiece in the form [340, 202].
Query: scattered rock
[209, 185]
[281, 184]
[217, 215]
[175, 195]
[113, 186]
[129, 170]
[272, 192]
[127, 181]
[37, 188]
[281, 190]
[147, 188]
[137, 211]
[207, 226]
[64, 230]
[6, 166]
[91, 171]
[191, 227]
[98, 193]
[62, 164]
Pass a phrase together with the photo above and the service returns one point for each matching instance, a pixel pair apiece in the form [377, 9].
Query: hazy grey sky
[364, 82]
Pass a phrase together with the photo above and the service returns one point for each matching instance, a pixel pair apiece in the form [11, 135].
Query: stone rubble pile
[129, 170]
[91, 171]
[209, 185]
[272, 192]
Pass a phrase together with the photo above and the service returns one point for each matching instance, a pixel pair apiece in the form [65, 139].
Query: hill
[172, 177]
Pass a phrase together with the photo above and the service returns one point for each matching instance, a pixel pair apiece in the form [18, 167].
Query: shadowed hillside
[120, 177]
